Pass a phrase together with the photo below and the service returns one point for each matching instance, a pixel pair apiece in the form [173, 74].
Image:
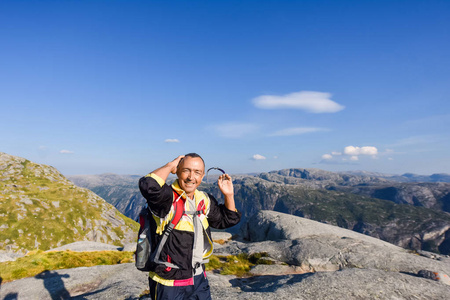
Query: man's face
[190, 174]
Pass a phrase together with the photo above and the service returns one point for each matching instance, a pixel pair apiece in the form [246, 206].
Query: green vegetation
[41, 209]
[238, 265]
[38, 261]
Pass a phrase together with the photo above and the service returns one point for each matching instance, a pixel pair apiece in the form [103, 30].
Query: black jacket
[179, 246]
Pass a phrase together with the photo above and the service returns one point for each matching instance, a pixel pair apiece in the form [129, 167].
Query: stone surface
[352, 268]
[87, 246]
[125, 282]
[101, 282]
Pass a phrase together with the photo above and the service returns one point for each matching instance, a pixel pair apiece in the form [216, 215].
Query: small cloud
[42, 148]
[314, 102]
[296, 131]
[258, 157]
[390, 158]
[336, 153]
[236, 130]
[66, 152]
[171, 141]
[354, 158]
[275, 157]
[327, 157]
[355, 151]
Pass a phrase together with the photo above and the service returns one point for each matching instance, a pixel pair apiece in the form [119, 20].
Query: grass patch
[38, 261]
[238, 265]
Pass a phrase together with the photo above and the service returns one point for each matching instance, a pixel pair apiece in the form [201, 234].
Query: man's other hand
[226, 185]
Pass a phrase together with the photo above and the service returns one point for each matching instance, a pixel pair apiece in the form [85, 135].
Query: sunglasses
[213, 168]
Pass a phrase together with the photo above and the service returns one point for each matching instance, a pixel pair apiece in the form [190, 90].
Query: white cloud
[258, 157]
[66, 152]
[355, 151]
[327, 156]
[314, 102]
[296, 131]
[236, 130]
[171, 141]
[351, 153]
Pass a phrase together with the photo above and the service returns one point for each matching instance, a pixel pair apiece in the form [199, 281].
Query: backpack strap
[198, 236]
[178, 205]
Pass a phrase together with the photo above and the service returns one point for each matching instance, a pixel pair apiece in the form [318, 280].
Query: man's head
[190, 172]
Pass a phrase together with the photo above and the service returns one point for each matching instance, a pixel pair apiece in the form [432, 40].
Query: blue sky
[124, 86]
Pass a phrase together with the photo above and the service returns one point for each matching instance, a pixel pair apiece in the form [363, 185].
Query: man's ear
[203, 175]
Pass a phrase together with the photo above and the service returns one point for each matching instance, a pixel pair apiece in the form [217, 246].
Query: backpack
[144, 255]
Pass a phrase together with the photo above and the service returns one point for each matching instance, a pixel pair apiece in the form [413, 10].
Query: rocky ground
[312, 261]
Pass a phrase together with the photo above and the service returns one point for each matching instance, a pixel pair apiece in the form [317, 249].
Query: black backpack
[144, 255]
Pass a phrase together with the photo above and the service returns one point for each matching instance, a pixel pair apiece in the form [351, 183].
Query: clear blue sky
[125, 86]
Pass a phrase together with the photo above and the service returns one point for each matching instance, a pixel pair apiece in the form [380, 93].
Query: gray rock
[221, 235]
[271, 225]
[346, 284]
[314, 246]
[87, 246]
[9, 256]
[101, 282]
[125, 282]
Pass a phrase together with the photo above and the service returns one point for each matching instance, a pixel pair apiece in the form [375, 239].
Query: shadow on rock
[54, 284]
[267, 283]
[9, 296]
[83, 296]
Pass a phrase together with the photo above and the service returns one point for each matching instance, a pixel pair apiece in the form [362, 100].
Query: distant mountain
[427, 194]
[122, 191]
[407, 177]
[346, 200]
[41, 209]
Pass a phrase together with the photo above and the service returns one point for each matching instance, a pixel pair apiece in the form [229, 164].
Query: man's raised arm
[155, 191]
[167, 169]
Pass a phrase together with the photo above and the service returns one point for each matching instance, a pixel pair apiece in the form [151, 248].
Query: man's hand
[226, 185]
[170, 167]
[174, 164]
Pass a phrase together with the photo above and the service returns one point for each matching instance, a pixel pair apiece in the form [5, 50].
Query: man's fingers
[224, 177]
[179, 158]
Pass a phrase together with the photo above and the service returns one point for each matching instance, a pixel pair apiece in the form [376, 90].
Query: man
[181, 273]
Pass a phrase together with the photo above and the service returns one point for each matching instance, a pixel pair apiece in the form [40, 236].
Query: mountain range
[410, 214]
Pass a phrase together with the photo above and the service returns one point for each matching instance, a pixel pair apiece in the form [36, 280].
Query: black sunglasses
[214, 168]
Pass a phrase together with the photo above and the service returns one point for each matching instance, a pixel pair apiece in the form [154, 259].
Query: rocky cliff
[41, 209]
[429, 194]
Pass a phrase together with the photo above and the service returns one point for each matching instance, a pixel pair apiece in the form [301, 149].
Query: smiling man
[180, 273]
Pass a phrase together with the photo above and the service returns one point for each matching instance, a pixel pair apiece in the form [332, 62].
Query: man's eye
[198, 173]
